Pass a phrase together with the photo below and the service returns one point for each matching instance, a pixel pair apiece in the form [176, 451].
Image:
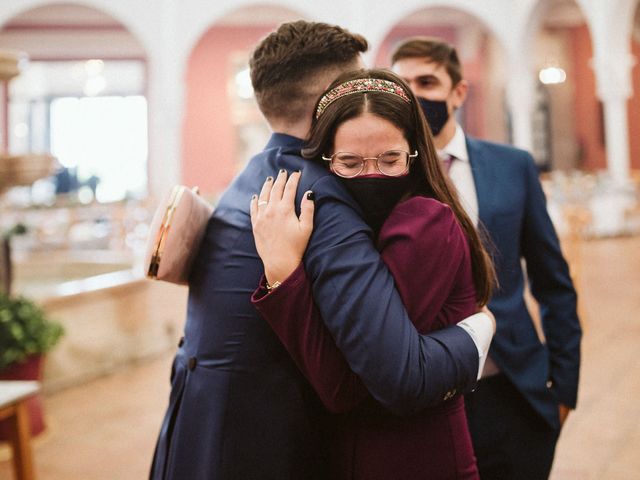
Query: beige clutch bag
[175, 235]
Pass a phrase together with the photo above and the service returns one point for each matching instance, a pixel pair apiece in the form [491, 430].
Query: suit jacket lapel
[484, 178]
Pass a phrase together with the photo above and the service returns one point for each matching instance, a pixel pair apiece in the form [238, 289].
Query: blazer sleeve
[294, 317]
[364, 315]
[553, 289]
[425, 249]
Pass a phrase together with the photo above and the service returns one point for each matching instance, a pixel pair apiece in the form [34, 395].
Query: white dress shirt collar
[457, 146]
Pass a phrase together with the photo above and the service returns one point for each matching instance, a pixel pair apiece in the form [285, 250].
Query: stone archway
[81, 58]
[482, 56]
[562, 60]
[223, 126]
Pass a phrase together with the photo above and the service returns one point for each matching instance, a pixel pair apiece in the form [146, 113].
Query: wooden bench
[12, 408]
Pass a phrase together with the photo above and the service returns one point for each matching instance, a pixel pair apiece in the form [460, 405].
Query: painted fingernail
[311, 196]
[282, 170]
[269, 178]
[254, 196]
[299, 171]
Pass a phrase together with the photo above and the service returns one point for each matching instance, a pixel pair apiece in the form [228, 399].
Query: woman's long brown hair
[428, 178]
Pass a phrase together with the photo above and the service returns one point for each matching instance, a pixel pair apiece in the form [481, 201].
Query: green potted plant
[26, 334]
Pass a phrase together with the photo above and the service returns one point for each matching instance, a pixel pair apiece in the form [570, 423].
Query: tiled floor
[106, 429]
[602, 437]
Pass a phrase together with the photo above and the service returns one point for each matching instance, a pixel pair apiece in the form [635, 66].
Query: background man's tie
[446, 160]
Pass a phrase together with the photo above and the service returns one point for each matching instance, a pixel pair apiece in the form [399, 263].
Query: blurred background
[106, 104]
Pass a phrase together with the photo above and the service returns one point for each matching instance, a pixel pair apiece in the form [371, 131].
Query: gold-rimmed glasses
[392, 163]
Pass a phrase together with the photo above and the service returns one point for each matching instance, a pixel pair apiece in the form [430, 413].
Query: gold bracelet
[275, 285]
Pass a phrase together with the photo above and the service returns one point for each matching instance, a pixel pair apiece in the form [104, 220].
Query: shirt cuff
[480, 329]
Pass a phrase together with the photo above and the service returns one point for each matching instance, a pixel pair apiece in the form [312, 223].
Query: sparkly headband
[360, 85]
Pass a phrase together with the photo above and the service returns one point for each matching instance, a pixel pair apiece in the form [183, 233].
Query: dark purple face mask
[436, 113]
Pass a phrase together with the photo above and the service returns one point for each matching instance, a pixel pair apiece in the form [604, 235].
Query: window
[103, 141]
[92, 116]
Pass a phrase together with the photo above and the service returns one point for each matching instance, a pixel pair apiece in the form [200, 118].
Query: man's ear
[459, 94]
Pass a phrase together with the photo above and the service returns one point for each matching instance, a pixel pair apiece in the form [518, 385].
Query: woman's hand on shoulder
[281, 237]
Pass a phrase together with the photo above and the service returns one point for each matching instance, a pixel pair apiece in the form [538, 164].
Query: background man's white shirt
[461, 176]
[460, 173]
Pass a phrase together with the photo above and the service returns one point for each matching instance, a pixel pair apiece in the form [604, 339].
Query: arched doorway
[223, 127]
[482, 57]
[568, 130]
[81, 97]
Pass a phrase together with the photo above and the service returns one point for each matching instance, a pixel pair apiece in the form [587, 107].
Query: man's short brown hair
[434, 49]
[284, 64]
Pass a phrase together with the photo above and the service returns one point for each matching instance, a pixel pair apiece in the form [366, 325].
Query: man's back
[240, 406]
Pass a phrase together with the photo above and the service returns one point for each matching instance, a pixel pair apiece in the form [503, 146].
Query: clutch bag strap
[165, 228]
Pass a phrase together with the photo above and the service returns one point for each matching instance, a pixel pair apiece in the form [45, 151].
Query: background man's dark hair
[284, 64]
[436, 50]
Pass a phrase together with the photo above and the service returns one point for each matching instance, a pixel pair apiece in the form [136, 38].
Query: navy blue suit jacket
[239, 407]
[512, 207]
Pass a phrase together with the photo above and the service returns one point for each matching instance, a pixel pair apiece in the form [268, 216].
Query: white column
[520, 99]
[165, 130]
[166, 98]
[616, 126]
[613, 76]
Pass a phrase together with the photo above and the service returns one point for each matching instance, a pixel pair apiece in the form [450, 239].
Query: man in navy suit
[239, 408]
[528, 386]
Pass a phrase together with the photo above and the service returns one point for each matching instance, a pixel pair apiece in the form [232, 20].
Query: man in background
[516, 413]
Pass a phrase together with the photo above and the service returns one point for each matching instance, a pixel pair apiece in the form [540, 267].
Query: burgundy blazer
[426, 251]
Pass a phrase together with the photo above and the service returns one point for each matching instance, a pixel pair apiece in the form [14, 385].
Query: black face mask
[377, 196]
[436, 113]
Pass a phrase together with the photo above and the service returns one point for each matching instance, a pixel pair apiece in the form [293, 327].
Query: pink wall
[589, 129]
[475, 104]
[473, 70]
[208, 136]
[634, 112]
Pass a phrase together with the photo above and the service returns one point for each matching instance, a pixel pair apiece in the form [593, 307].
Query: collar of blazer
[485, 178]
